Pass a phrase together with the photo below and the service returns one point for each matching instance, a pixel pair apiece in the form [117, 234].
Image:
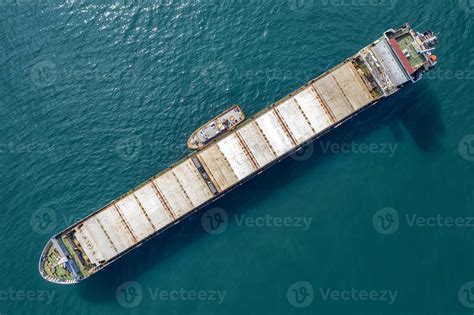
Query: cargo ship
[235, 155]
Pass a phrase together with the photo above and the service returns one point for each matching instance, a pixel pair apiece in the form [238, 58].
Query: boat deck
[211, 130]
[219, 125]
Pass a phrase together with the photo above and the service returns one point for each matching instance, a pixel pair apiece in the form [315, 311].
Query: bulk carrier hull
[399, 57]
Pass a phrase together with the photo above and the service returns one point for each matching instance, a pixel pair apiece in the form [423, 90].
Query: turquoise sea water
[373, 218]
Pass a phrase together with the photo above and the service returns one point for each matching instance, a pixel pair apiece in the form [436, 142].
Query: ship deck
[406, 43]
[191, 183]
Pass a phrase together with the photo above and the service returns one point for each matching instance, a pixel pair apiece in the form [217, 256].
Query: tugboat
[224, 122]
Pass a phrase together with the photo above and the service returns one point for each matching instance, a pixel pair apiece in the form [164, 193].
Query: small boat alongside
[224, 122]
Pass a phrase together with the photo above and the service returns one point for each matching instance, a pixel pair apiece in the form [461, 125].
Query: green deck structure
[59, 270]
[406, 42]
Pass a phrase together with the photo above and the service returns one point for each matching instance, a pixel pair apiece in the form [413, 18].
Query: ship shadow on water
[418, 111]
[413, 111]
